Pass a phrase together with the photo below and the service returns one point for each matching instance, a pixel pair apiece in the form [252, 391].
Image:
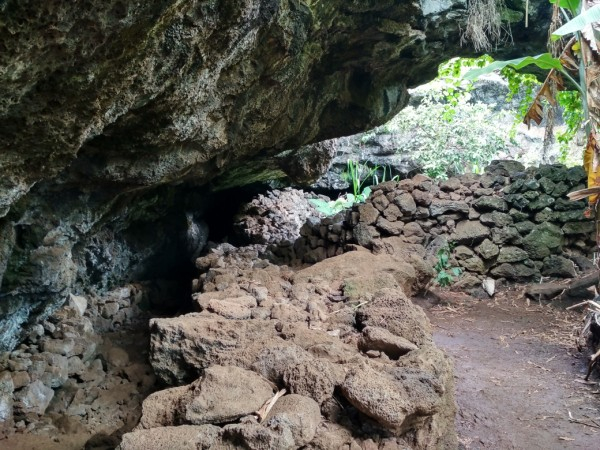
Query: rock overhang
[107, 108]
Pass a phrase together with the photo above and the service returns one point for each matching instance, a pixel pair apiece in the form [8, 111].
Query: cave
[165, 280]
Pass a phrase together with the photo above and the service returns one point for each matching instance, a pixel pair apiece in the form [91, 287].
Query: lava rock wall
[508, 223]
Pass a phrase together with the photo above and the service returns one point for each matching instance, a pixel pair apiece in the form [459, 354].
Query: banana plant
[579, 62]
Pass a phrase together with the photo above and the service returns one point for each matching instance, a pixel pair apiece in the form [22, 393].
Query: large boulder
[396, 400]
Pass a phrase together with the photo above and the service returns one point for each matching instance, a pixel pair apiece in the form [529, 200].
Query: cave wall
[113, 112]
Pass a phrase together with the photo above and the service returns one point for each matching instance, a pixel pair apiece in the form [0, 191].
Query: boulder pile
[82, 369]
[331, 356]
[275, 217]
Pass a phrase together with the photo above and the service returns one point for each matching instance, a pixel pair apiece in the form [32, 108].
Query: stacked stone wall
[509, 222]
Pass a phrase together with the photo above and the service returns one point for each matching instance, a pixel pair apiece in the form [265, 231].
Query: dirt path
[518, 373]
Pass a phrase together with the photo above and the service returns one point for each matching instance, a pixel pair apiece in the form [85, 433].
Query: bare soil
[519, 376]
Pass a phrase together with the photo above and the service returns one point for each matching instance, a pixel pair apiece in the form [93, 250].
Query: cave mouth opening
[170, 269]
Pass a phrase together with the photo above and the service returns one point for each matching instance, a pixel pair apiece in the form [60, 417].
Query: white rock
[35, 397]
[489, 286]
[79, 303]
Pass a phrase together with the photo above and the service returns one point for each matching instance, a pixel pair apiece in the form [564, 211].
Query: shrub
[449, 138]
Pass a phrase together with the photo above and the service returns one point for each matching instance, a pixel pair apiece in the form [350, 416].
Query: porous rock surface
[111, 110]
[341, 337]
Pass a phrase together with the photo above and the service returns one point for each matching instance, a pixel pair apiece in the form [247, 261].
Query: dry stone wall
[510, 222]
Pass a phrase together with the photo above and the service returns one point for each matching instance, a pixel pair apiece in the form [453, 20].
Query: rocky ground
[324, 356]
[341, 338]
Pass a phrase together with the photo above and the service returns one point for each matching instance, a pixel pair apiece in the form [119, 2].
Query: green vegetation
[447, 133]
[445, 272]
[577, 64]
[357, 175]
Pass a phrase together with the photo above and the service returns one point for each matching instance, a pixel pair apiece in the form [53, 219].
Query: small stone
[531, 185]
[391, 228]
[524, 227]
[182, 437]
[63, 347]
[20, 379]
[518, 216]
[439, 207]
[496, 218]
[487, 249]
[569, 216]
[558, 266]
[6, 402]
[314, 378]
[517, 201]
[260, 293]
[364, 235]
[422, 198]
[466, 281]
[379, 339]
[490, 204]
[576, 175]
[392, 400]
[422, 213]
[75, 366]
[506, 235]
[514, 187]
[413, 229]
[462, 252]
[489, 286]
[473, 264]
[483, 192]
[300, 415]
[35, 397]
[560, 189]
[406, 204]
[78, 303]
[512, 254]
[543, 201]
[545, 239]
[392, 212]
[473, 214]
[226, 393]
[451, 184]
[261, 313]
[406, 185]
[422, 182]
[513, 271]
[504, 167]
[117, 357]
[368, 213]
[470, 232]
[380, 202]
[109, 310]
[57, 371]
[238, 308]
[554, 172]
[546, 185]
[571, 228]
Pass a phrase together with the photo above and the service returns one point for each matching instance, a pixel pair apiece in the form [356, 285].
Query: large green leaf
[578, 23]
[544, 61]
[571, 5]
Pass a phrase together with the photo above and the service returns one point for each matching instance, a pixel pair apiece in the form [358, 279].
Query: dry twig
[263, 412]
